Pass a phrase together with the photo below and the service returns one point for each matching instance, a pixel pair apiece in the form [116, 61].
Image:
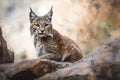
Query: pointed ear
[49, 14]
[32, 15]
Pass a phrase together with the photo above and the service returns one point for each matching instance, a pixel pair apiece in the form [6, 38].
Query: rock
[3, 76]
[31, 69]
[6, 56]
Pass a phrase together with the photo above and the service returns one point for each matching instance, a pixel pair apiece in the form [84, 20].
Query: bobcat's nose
[42, 29]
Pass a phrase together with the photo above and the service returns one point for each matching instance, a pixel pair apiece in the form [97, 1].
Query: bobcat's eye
[46, 25]
[37, 25]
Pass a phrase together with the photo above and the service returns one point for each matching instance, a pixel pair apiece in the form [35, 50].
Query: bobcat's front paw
[50, 56]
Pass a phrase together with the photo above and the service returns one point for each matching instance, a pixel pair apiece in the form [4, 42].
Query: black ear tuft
[49, 14]
[32, 15]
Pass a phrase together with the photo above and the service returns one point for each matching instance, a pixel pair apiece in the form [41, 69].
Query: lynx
[49, 43]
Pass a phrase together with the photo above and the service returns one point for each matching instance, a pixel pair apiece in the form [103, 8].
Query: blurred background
[90, 23]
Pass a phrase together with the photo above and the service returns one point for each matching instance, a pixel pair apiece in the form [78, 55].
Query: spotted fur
[49, 43]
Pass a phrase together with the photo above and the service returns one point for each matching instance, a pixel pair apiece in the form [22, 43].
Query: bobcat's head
[41, 25]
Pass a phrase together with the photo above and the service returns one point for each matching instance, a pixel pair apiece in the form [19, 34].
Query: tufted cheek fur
[49, 31]
[32, 30]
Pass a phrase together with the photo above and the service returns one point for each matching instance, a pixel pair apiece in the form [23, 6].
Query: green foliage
[104, 29]
[23, 55]
[99, 33]
[20, 56]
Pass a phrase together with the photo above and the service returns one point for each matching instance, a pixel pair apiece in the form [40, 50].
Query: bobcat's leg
[51, 56]
[71, 54]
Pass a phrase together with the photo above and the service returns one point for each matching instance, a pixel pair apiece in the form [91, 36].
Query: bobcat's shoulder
[70, 51]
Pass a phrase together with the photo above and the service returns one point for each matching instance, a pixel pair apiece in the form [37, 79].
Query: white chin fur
[51, 35]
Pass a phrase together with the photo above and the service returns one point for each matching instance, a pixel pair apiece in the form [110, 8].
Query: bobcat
[49, 43]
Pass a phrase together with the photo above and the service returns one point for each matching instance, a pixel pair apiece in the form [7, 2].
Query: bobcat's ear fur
[49, 14]
[32, 15]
